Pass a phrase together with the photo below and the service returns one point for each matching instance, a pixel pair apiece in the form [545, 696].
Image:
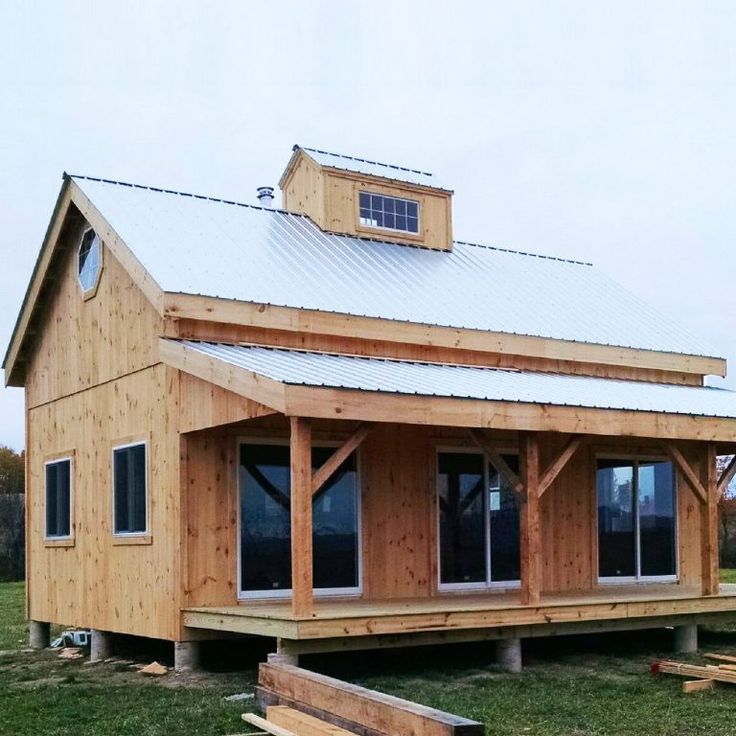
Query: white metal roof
[327, 370]
[372, 168]
[198, 245]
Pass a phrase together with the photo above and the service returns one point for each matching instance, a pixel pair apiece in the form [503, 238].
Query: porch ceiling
[321, 385]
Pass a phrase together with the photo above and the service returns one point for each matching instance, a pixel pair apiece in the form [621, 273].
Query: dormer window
[89, 262]
[389, 213]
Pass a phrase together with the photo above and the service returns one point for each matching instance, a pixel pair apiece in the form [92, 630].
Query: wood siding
[399, 520]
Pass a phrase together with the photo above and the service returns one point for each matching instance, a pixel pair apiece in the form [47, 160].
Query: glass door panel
[462, 513]
[504, 525]
[657, 514]
[616, 519]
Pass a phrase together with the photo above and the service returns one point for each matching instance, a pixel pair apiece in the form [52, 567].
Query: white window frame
[379, 228]
[488, 584]
[89, 292]
[125, 446]
[639, 579]
[58, 537]
[249, 595]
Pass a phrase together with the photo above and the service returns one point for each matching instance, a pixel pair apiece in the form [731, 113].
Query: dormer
[343, 194]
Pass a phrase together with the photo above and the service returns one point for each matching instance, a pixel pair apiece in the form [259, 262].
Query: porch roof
[345, 386]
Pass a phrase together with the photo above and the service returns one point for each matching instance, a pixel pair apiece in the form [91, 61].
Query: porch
[357, 623]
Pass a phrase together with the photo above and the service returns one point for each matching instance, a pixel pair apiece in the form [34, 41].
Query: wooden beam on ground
[726, 476]
[341, 454]
[301, 517]
[264, 725]
[558, 464]
[372, 711]
[531, 533]
[709, 524]
[684, 467]
[721, 658]
[694, 686]
[302, 723]
[485, 444]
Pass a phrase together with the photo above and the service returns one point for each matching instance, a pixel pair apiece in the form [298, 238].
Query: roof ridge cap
[522, 253]
[162, 190]
[364, 160]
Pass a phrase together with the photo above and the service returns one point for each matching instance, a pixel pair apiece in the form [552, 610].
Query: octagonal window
[89, 260]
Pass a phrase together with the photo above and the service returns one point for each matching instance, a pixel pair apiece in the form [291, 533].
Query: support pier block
[508, 653]
[686, 638]
[186, 656]
[100, 645]
[39, 634]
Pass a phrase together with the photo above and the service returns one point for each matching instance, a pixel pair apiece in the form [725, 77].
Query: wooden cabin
[336, 426]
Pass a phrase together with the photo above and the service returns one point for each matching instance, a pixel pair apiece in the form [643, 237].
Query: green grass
[585, 686]
[728, 575]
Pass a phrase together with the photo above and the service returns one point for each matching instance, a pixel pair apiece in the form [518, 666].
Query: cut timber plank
[341, 454]
[684, 467]
[559, 463]
[707, 672]
[302, 723]
[496, 458]
[383, 713]
[694, 686]
[721, 658]
[264, 725]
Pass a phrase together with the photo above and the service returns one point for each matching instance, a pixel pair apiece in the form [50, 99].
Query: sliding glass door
[637, 520]
[478, 523]
[265, 523]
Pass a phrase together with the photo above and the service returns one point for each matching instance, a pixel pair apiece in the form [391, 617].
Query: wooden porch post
[531, 541]
[301, 516]
[709, 524]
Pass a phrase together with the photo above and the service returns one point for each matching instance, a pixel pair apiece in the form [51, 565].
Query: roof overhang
[71, 200]
[271, 377]
[292, 319]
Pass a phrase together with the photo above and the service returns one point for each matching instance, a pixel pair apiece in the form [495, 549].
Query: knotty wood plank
[341, 454]
[684, 467]
[709, 524]
[559, 463]
[531, 533]
[302, 723]
[496, 458]
[694, 686]
[384, 713]
[301, 516]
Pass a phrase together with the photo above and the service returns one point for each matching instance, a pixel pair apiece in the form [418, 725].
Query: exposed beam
[557, 465]
[684, 467]
[341, 454]
[301, 517]
[253, 314]
[709, 524]
[480, 439]
[726, 476]
[530, 526]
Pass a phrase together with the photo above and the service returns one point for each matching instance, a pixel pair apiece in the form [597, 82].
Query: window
[129, 489]
[59, 499]
[89, 260]
[636, 519]
[265, 523]
[478, 522]
[389, 213]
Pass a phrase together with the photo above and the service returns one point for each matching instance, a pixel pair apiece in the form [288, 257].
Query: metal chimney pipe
[265, 196]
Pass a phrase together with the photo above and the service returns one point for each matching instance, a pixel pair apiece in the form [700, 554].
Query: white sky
[602, 131]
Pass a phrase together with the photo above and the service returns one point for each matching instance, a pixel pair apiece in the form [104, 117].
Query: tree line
[12, 514]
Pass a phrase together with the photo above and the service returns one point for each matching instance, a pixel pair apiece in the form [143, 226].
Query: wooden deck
[497, 615]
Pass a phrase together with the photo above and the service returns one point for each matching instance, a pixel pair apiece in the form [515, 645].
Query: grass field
[583, 686]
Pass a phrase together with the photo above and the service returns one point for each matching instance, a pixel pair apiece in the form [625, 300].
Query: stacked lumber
[347, 708]
[704, 676]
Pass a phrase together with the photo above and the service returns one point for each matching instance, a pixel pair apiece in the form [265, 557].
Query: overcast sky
[593, 130]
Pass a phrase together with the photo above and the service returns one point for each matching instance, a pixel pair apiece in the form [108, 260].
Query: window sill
[58, 542]
[132, 540]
